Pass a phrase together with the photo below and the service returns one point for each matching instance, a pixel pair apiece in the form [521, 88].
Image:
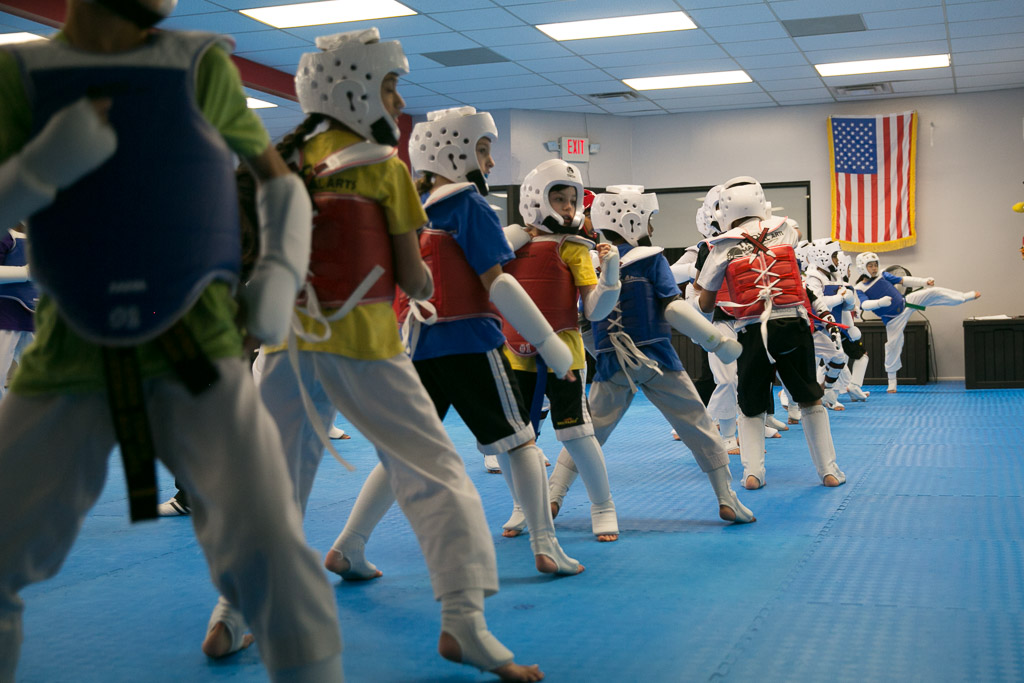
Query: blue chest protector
[637, 313]
[128, 249]
[24, 293]
[882, 287]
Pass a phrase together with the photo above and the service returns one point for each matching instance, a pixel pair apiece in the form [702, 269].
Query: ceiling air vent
[862, 89]
[606, 97]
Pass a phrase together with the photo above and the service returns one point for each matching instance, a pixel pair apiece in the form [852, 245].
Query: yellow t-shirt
[369, 332]
[577, 257]
[60, 360]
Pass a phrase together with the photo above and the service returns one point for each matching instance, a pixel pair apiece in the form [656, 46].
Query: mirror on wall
[675, 226]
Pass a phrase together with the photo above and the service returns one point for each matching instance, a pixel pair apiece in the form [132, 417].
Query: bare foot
[751, 483]
[340, 565]
[545, 565]
[793, 420]
[729, 515]
[831, 481]
[218, 641]
[607, 538]
[555, 507]
[510, 533]
[890, 391]
[449, 648]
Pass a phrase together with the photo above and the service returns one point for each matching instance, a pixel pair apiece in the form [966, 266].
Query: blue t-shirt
[475, 227]
[657, 270]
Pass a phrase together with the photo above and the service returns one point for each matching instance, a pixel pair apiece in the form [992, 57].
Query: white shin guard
[720, 479]
[819, 442]
[751, 433]
[860, 366]
[589, 458]
[562, 477]
[372, 503]
[527, 465]
[517, 521]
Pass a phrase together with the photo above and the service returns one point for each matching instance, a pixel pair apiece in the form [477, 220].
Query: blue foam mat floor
[911, 571]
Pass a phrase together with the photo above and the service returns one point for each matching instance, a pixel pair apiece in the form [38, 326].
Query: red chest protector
[350, 237]
[458, 291]
[539, 268]
[753, 280]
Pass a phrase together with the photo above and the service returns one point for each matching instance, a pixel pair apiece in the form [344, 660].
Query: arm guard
[872, 304]
[286, 226]
[519, 310]
[688, 321]
[13, 274]
[517, 236]
[74, 142]
[909, 281]
[684, 272]
[602, 299]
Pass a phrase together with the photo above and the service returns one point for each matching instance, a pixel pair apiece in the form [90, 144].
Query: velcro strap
[131, 425]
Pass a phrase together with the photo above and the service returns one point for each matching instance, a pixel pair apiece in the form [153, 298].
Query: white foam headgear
[624, 210]
[801, 254]
[845, 264]
[445, 144]
[533, 196]
[707, 223]
[741, 197]
[819, 254]
[863, 259]
[343, 81]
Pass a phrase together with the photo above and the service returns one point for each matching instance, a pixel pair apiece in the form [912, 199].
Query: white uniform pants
[224, 448]
[930, 296]
[722, 404]
[386, 402]
[12, 343]
[675, 396]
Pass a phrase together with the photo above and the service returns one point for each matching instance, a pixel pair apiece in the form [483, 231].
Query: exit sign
[575, 149]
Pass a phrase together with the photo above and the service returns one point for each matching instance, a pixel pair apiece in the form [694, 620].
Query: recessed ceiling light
[327, 12]
[11, 38]
[618, 26]
[254, 103]
[874, 66]
[687, 80]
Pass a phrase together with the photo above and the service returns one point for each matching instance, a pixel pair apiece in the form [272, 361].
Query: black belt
[128, 408]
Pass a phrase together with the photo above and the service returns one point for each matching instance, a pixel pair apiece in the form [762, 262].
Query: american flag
[873, 180]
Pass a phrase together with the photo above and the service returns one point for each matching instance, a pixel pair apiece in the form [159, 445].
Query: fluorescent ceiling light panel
[687, 80]
[618, 26]
[254, 103]
[874, 66]
[327, 12]
[12, 38]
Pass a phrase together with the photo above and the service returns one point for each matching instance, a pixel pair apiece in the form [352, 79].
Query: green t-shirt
[61, 361]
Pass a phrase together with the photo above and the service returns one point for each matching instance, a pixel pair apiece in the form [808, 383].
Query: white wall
[969, 172]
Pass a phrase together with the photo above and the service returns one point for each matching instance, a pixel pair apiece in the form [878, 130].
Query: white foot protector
[892, 384]
[517, 521]
[775, 423]
[547, 545]
[491, 464]
[234, 622]
[729, 506]
[359, 568]
[732, 446]
[462, 617]
[856, 394]
[603, 519]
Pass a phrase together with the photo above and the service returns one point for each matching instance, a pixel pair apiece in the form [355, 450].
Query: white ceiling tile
[895, 36]
[734, 90]
[784, 84]
[556, 64]
[510, 35]
[581, 108]
[718, 100]
[534, 51]
[477, 19]
[390, 29]
[802, 95]
[984, 10]
[732, 15]
[216, 22]
[432, 6]
[764, 61]
[647, 41]
[921, 16]
[595, 87]
[437, 42]
[1000, 42]
[782, 72]
[966, 29]
[759, 47]
[681, 56]
[985, 56]
[269, 40]
[195, 7]
[673, 68]
[922, 85]
[621, 107]
[487, 84]
[504, 101]
[894, 76]
[1007, 80]
[450, 73]
[877, 52]
[991, 68]
[763, 31]
[285, 59]
[581, 76]
[810, 9]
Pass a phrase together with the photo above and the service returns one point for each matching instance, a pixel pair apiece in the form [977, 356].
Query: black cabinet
[915, 355]
[994, 353]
